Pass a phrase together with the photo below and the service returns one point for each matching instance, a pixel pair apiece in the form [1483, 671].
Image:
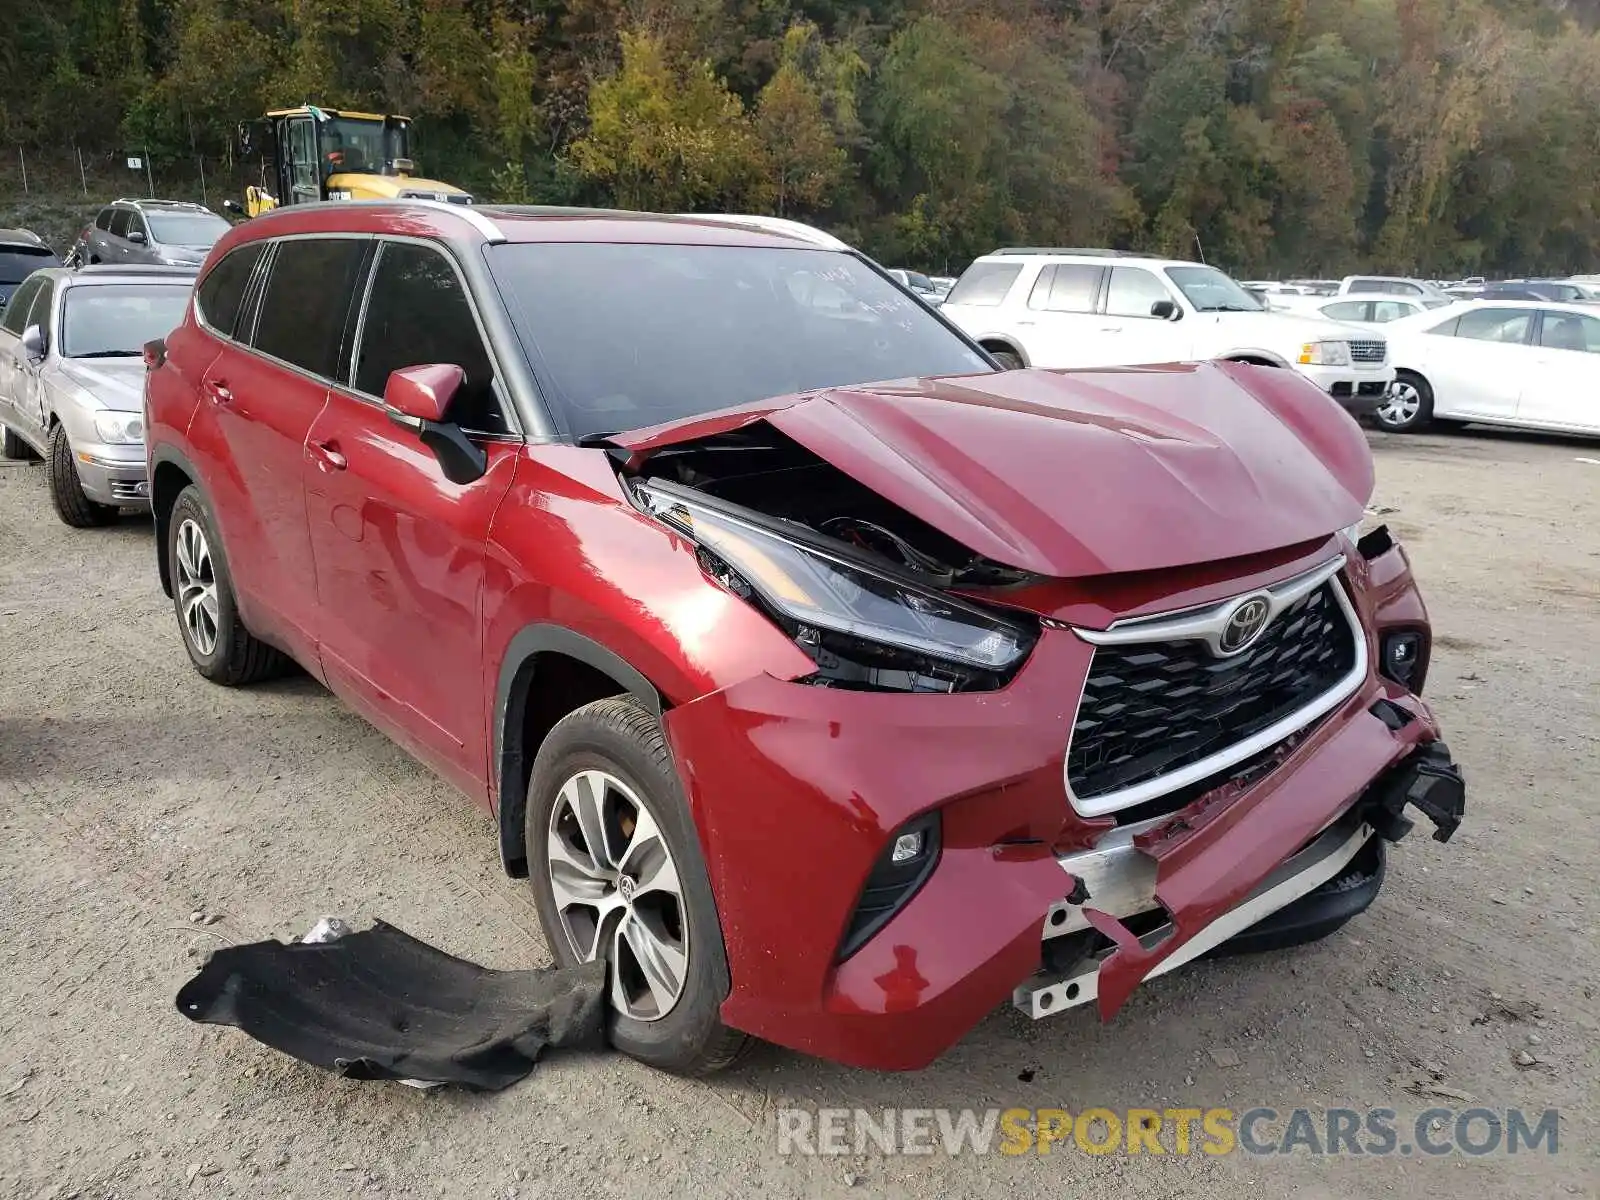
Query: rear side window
[1384, 311]
[984, 283]
[103, 221]
[306, 301]
[221, 292]
[119, 223]
[418, 313]
[1570, 331]
[1072, 288]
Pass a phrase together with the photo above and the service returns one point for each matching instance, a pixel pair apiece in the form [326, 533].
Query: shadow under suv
[828, 710]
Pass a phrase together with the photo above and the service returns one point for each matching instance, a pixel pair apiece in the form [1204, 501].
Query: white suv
[1103, 308]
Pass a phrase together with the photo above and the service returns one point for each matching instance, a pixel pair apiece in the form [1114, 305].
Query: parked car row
[827, 710]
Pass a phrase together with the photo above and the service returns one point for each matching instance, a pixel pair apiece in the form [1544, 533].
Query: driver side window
[16, 318]
[418, 313]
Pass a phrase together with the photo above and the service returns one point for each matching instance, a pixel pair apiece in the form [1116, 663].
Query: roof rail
[1088, 252]
[469, 213]
[766, 224]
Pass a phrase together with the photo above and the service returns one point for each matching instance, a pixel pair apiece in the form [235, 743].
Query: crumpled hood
[117, 383]
[1085, 473]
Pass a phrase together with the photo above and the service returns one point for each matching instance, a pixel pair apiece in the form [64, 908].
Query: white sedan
[1524, 363]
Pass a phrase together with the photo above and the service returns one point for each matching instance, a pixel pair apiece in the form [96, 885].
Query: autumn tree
[667, 135]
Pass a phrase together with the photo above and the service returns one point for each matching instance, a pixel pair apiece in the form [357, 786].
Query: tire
[1408, 407]
[66, 489]
[617, 745]
[219, 645]
[1009, 360]
[13, 446]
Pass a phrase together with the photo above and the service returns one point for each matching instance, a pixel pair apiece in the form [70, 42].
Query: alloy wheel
[197, 587]
[617, 892]
[1401, 405]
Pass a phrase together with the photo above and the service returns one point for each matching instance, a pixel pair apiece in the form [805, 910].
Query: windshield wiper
[108, 354]
[1228, 308]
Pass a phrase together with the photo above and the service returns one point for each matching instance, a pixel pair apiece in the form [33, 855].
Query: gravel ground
[133, 794]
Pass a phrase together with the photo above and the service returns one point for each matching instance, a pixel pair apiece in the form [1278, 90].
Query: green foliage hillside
[1281, 136]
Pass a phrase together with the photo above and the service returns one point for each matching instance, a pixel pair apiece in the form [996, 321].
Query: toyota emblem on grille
[1244, 625]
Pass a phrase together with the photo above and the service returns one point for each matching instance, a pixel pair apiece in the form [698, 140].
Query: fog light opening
[1399, 656]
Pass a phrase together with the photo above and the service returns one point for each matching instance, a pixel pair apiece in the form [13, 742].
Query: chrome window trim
[1202, 623]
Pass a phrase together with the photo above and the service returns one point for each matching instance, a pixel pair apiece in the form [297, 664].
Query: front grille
[1150, 708]
[1368, 352]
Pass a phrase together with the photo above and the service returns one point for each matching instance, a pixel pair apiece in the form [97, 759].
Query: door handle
[1027, 322]
[1111, 329]
[218, 391]
[326, 456]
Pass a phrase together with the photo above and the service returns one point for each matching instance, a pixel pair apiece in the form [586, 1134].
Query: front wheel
[1009, 360]
[66, 489]
[616, 870]
[1409, 405]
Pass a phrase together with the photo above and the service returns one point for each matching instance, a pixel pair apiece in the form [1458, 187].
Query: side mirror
[33, 343]
[136, 236]
[1166, 310]
[234, 207]
[417, 399]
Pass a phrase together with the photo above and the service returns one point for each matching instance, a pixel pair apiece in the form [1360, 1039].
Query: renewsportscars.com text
[1377, 1132]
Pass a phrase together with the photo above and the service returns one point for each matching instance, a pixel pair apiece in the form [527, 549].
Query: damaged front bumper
[1119, 909]
[828, 777]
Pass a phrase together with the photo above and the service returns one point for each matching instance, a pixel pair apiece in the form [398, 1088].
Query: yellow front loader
[311, 153]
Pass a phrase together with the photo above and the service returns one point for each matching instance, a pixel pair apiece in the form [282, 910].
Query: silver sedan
[72, 380]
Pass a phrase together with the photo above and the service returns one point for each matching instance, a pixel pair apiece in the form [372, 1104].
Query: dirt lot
[133, 794]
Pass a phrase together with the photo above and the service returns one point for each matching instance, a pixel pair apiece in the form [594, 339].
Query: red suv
[831, 711]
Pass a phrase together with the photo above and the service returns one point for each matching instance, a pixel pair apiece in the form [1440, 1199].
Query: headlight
[119, 428]
[818, 591]
[1325, 354]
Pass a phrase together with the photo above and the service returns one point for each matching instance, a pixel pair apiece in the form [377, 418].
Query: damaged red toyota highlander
[831, 711]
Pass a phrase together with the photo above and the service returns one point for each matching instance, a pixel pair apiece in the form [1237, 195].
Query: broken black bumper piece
[379, 1004]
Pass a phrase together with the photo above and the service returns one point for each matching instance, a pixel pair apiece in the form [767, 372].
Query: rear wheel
[219, 645]
[66, 489]
[616, 870]
[1409, 405]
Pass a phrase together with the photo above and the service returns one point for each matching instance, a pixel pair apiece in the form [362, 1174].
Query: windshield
[18, 262]
[627, 335]
[197, 230]
[1209, 290]
[113, 320]
[360, 147]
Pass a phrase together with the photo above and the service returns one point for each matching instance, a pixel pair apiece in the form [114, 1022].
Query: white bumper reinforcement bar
[1126, 880]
